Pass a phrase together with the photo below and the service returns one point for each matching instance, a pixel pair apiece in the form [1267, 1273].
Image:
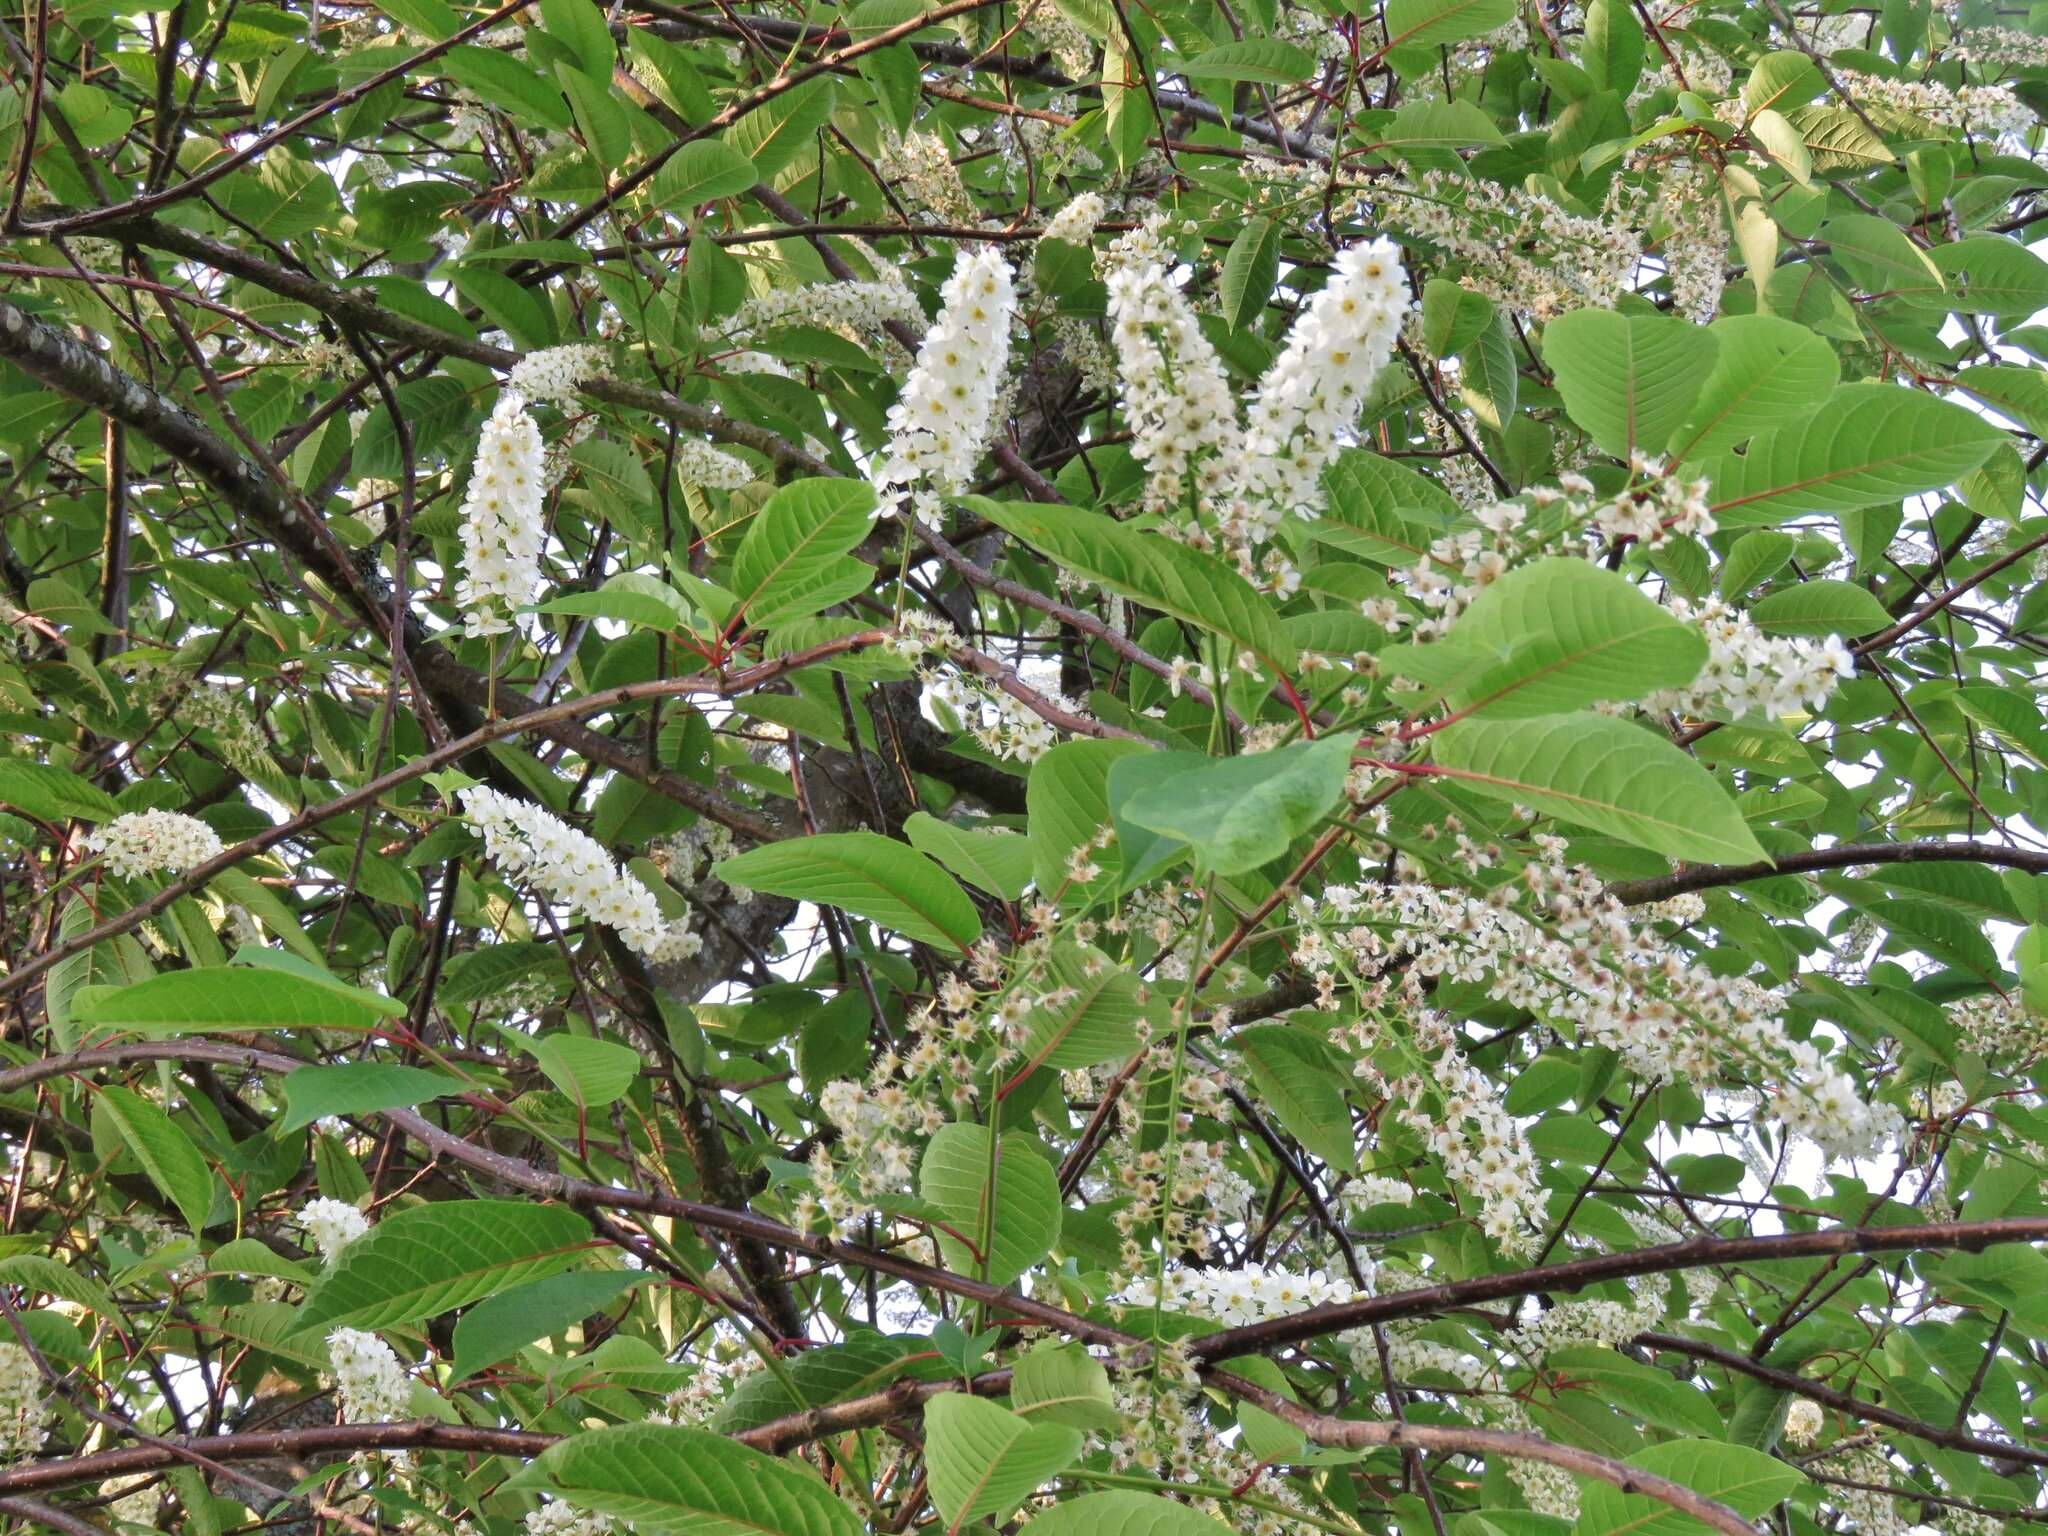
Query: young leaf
[1237, 813]
[868, 875]
[793, 560]
[1022, 1224]
[984, 1460]
[167, 1155]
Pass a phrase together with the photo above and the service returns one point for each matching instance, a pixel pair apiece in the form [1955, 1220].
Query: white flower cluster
[1181, 412]
[1751, 673]
[698, 463]
[1802, 1422]
[553, 374]
[920, 169]
[1693, 240]
[1075, 223]
[941, 420]
[372, 1384]
[559, 1519]
[567, 866]
[1986, 110]
[2000, 48]
[862, 309]
[1316, 387]
[1482, 1150]
[1660, 505]
[1249, 1294]
[333, 1225]
[203, 706]
[139, 1499]
[1595, 1321]
[1494, 232]
[25, 1412]
[2001, 1028]
[154, 842]
[503, 530]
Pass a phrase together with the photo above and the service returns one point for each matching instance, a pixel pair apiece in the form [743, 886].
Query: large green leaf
[1746, 1480]
[167, 1154]
[1767, 372]
[1869, 443]
[1124, 1514]
[1088, 1014]
[868, 875]
[229, 998]
[991, 859]
[1250, 268]
[983, 1461]
[359, 1087]
[1023, 1220]
[52, 794]
[701, 173]
[1571, 633]
[1063, 1384]
[777, 132]
[1067, 799]
[1146, 568]
[1820, 607]
[1259, 60]
[1236, 813]
[1418, 22]
[1596, 771]
[431, 1259]
[1297, 1085]
[500, 1326]
[689, 1482]
[793, 560]
[833, 1373]
[1627, 379]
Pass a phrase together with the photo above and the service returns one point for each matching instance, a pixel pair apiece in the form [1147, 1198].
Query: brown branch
[1701, 877]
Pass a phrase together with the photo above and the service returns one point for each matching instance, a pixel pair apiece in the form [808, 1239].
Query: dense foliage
[1144, 768]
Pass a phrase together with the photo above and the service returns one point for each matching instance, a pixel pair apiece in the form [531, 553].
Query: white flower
[567, 866]
[1802, 1422]
[502, 526]
[942, 419]
[1316, 387]
[698, 463]
[25, 1413]
[333, 1225]
[558, 1519]
[1182, 418]
[154, 842]
[552, 375]
[1076, 222]
[372, 1384]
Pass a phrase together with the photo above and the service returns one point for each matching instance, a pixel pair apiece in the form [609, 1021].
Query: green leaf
[1487, 378]
[1766, 372]
[983, 1460]
[1572, 633]
[701, 173]
[1753, 558]
[774, 134]
[1237, 813]
[1024, 1221]
[865, 1363]
[868, 875]
[1151, 570]
[1991, 275]
[1063, 1384]
[580, 27]
[1257, 60]
[591, 1072]
[689, 1482]
[1250, 268]
[600, 121]
[432, 1259]
[1655, 1396]
[793, 560]
[1095, 1018]
[1436, 125]
[1869, 443]
[1296, 1083]
[358, 1088]
[498, 1327]
[52, 794]
[1820, 607]
[1452, 317]
[1599, 772]
[1746, 1480]
[1124, 1514]
[1067, 803]
[167, 1155]
[511, 83]
[227, 998]
[1629, 380]
[630, 597]
[1614, 47]
[1432, 22]
[989, 859]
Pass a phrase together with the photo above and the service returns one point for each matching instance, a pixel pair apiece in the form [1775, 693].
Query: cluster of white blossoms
[1692, 240]
[1751, 673]
[1658, 506]
[154, 842]
[25, 1411]
[1802, 1422]
[941, 421]
[2000, 48]
[1493, 232]
[553, 374]
[1575, 957]
[558, 1519]
[570, 867]
[1075, 223]
[1001, 726]
[332, 1225]
[372, 1384]
[1183, 417]
[1986, 110]
[1593, 1321]
[1248, 1294]
[920, 169]
[858, 309]
[503, 530]
[1482, 1150]
[698, 463]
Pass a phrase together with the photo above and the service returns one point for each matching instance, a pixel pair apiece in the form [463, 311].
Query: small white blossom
[333, 1225]
[372, 1384]
[154, 842]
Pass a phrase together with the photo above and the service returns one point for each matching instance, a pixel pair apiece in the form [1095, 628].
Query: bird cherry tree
[1140, 767]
